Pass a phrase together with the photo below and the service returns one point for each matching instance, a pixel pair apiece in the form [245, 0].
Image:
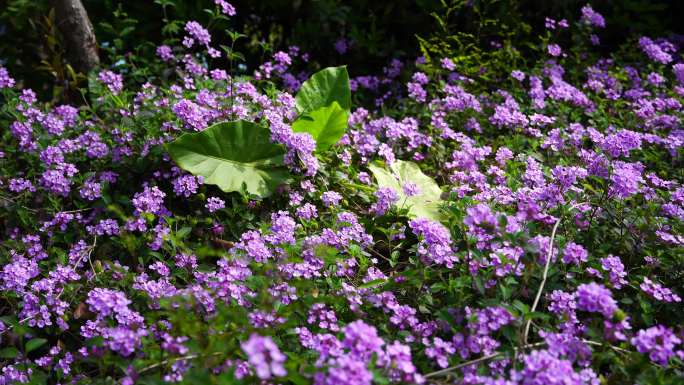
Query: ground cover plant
[517, 224]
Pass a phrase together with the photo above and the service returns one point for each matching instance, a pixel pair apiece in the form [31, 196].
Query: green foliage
[235, 156]
[326, 124]
[426, 204]
[323, 88]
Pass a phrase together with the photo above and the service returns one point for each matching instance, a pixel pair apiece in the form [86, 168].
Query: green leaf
[235, 156]
[373, 283]
[425, 204]
[325, 124]
[35, 344]
[10, 352]
[183, 232]
[323, 88]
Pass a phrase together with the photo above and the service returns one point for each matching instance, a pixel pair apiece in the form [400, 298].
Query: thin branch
[546, 273]
[617, 349]
[463, 365]
[172, 360]
[477, 360]
[544, 276]
[10, 200]
[499, 354]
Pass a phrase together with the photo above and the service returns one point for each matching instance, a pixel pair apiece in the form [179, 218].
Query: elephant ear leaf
[235, 156]
[323, 88]
[326, 124]
[426, 203]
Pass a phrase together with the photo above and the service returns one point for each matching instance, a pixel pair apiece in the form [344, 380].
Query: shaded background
[379, 30]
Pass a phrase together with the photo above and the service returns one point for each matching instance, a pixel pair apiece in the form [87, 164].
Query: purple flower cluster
[435, 242]
[150, 200]
[214, 204]
[187, 185]
[127, 335]
[591, 17]
[659, 292]
[196, 33]
[113, 81]
[226, 7]
[264, 357]
[6, 80]
[654, 50]
[386, 197]
[595, 298]
[659, 342]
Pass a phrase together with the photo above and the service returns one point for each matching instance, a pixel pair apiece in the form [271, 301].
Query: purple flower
[481, 216]
[626, 178]
[91, 191]
[440, 351]
[264, 356]
[112, 80]
[341, 46]
[196, 32]
[679, 72]
[226, 7]
[150, 200]
[386, 198]
[591, 17]
[345, 370]
[659, 342]
[654, 51]
[361, 339]
[17, 274]
[544, 368]
[397, 360]
[574, 253]
[416, 92]
[331, 198]
[18, 185]
[323, 317]
[300, 147]
[255, 246]
[562, 303]
[56, 182]
[616, 270]
[595, 298]
[283, 228]
[52, 155]
[191, 114]
[447, 64]
[435, 243]
[410, 189]
[518, 75]
[105, 227]
[107, 302]
[187, 185]
[554, 50]
[658, 291]
[307, 211]
[6, 80]
[165, 53]
[214, 204]
[594, 39]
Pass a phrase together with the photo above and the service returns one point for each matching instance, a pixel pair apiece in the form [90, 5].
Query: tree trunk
[77, 33]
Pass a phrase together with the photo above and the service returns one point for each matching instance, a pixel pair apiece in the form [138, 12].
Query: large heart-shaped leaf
[426, 203]
[323, 88]
[235, 156]
[326, 125]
